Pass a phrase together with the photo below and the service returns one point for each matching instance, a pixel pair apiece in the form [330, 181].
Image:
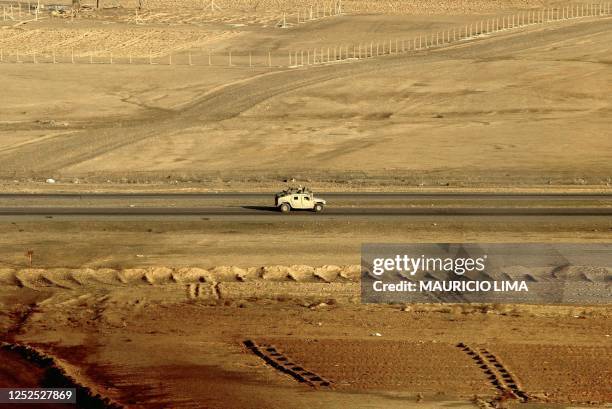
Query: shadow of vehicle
[263, 208]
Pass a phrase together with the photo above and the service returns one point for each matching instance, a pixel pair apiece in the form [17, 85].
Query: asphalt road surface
[361, 204]
[263, 210]
[330, 195]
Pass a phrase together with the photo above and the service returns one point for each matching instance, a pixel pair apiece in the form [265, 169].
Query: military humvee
[298, 198]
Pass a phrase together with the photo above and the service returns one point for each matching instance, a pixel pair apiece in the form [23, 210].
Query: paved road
[261, 211]
[328, 195]
[341, 205]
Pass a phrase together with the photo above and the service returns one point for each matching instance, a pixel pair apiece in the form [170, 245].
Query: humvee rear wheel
[285, 208]
[318, 208]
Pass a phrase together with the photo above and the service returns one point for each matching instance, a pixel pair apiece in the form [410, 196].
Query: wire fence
[29, 10]
[316, 55]
[33, 10]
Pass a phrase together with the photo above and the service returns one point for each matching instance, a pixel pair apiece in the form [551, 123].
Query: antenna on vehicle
[282, 23]
[214, 6]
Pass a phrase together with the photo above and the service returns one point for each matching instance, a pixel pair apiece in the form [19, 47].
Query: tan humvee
[298, 198]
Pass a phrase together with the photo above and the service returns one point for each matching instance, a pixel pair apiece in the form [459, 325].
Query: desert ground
[297, 336]
[250, 96]
[463, 114]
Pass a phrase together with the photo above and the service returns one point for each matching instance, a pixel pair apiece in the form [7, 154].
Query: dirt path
[232, 100]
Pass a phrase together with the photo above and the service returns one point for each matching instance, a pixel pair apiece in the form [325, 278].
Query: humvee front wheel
[285, 208]
[318, 208]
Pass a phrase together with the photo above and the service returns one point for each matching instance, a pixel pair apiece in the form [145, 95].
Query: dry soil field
[231, 313]
[275, 337]
[523, 107]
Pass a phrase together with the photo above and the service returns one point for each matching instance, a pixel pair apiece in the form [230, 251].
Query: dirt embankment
[157, 330]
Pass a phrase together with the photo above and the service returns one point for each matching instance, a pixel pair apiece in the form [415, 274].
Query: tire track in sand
[284, 364]
[499, 376]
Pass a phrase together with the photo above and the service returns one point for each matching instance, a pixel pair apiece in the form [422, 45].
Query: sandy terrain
[178, 337]
[122, 42]
[463, 115]
[182, 242]
[244, 312]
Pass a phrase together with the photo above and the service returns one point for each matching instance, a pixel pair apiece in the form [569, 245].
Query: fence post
[209, 57]
[72, 55]
[33, 56]
[269, 60]
[111, 58]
